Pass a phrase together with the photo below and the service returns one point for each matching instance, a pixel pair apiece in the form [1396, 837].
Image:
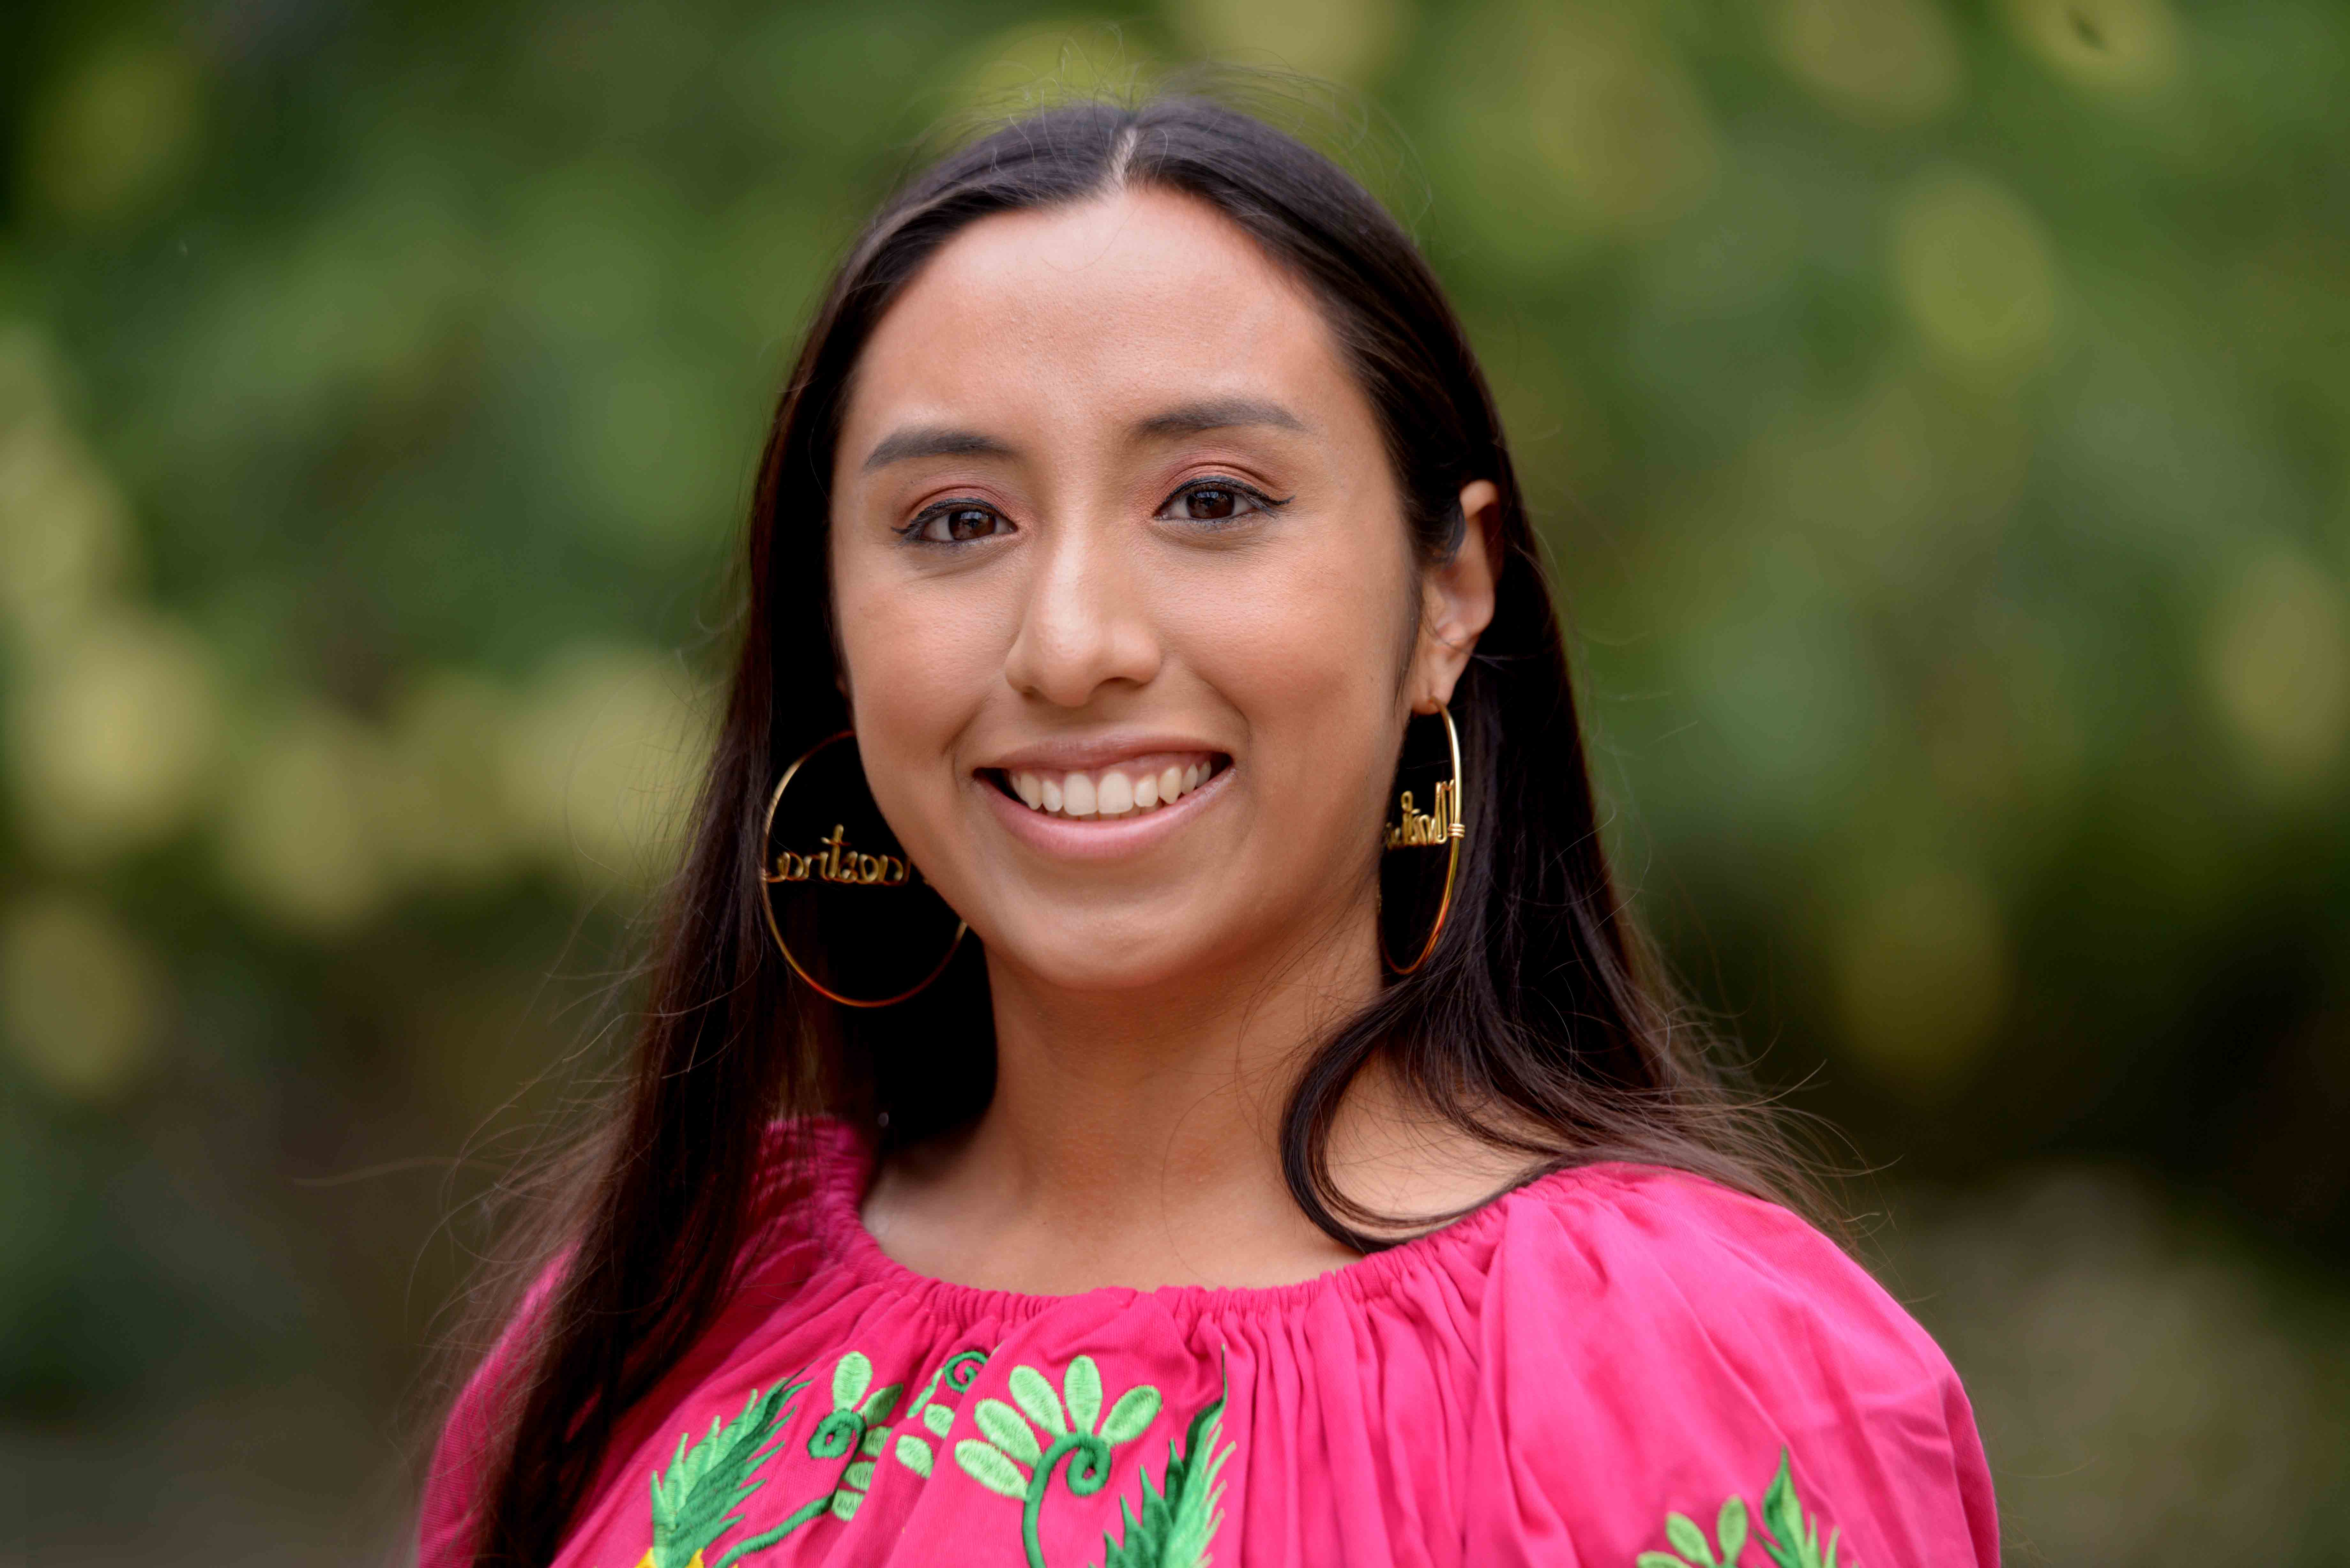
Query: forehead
[1095, 309]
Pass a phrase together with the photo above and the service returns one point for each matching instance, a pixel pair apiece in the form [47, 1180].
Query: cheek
[916, 674]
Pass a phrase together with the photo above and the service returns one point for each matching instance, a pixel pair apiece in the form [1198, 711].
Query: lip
[1091, 838]
[1086, 755]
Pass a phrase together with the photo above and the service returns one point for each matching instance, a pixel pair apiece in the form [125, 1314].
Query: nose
[1086, 624]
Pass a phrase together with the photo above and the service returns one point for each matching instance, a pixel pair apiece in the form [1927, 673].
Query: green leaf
[859, 1475]
[880, 1402]
[1687, 1538]
[874, 1437]
[1033, 1393]
[843, 1504]
[1783, 1513]
[914, 1454]
[850, 1379]
[1132, 1415]
[1001, 1426]
[984, 1464]
[1658, 1560]
[692, 1504]
[1082, 1387]
[1729, 1529]
[1173, 1528]
[937, 1419]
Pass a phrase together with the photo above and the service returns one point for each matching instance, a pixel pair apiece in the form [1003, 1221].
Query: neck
[1133, 1137]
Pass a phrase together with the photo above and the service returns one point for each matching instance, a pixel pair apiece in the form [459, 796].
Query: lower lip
[1091, 838]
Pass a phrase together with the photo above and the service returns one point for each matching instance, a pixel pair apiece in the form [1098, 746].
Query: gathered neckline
[841, 1163]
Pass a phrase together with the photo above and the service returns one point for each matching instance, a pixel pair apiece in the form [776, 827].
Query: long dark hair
[1536, 1023]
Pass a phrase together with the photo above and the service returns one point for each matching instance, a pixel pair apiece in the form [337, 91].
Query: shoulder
[1716, 1358]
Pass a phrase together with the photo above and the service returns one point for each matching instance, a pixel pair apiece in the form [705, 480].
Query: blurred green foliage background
[1940, 413]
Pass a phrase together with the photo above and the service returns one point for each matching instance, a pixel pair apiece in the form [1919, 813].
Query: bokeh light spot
[2277, 665]
[1924, 975]
[1974, 269]
[112, 737]
[1882, 62]
[81, 999]
[110, 139]
[2117, 47]
[1341, 40]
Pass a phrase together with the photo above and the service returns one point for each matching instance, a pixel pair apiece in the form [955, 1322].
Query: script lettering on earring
[1420, 828]
[835, 862]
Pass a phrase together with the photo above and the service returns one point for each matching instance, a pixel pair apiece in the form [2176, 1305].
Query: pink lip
[1086, 755]
[1091, 838]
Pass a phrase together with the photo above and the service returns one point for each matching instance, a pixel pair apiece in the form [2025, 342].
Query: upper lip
[1083, 754]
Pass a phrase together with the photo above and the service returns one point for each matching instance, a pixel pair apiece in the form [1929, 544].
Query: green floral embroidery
[692, 1503]
[851, 1429]
[1011, 1460]
[1792, 1543]
[958, 1374]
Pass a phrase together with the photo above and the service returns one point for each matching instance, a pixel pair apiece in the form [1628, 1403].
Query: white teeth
[1113, 793]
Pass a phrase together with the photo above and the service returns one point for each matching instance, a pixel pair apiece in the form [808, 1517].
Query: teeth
[1108, 791]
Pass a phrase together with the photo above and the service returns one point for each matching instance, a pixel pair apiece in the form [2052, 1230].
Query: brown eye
[958, 524]
[1216, 501]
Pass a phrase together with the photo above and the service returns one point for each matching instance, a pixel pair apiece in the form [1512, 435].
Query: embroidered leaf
[850, 1379]
[1132, 1415]
[859, 1475]
[1729, 1529]
[915, 1455]
[1797, 1544]
[692, 1504]
[1033, 1394]
[1081, 1387]
[882, 1400]
[1174, 1526]
[843, 1504]
[1689, 1540]
[1001, 1426]
[1658, 1560]
[983, 1463]
[937, 1419]
[873, 1441]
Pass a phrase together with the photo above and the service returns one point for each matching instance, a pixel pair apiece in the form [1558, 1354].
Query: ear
[1457, 600]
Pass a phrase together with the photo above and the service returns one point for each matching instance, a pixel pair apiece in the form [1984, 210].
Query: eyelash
[1260, 504]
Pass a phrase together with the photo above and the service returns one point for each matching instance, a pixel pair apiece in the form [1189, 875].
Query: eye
[956, 523]
[1217, 501]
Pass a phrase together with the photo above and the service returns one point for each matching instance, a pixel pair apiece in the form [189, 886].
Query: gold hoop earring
[1440, 826]
[869, 924]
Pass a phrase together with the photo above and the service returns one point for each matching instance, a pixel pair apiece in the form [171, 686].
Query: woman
[1276, 1171]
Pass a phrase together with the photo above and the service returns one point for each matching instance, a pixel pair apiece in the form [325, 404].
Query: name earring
[1440, 826]
[849, 898]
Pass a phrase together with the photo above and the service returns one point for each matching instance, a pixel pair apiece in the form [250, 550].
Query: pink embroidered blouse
[1617, 1365]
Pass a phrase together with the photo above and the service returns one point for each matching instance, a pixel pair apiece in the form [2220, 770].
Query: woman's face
[1125, 595]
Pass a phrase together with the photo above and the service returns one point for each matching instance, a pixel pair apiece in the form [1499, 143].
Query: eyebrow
[933, 441]
[1183, 420]
[1218, 414]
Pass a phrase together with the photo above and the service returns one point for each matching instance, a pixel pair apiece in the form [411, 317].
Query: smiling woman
[1180, 603]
